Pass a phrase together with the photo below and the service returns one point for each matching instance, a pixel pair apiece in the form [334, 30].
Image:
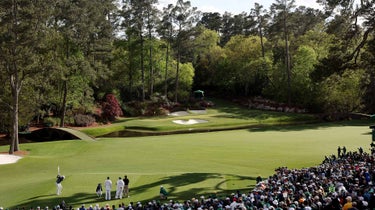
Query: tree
[166, 31]
[240, 24]
[247, 63]
[186, 80]
[212, 21]
[303, 89]
[204, 43]
[135, 14]
[342, 95]
[21, 43]
[145, 17]
[282, 8]
[351, 14]
[261, 19]
[368, 63]
[313, 46]
[152, 16]
[84, 33]
[184, 17]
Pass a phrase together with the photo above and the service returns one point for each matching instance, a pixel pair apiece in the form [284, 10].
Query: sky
[235, 6]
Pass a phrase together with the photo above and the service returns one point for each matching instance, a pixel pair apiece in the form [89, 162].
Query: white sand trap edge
[8, 159]
[189, 122]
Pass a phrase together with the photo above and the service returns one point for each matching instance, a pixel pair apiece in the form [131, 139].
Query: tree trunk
[14, 144]
[261, 37]
[246, 88]
[166, 72]
[151, 58]
[131, 67]
[142, 67]
[177, 75]
[287, 57]
[151, 72]
[63, 107]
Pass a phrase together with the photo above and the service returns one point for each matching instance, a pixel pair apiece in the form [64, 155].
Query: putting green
[188, 165]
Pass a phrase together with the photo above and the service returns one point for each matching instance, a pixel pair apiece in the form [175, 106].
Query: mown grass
[188, 165]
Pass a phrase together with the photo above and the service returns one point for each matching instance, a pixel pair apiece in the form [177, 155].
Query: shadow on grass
[173, 184]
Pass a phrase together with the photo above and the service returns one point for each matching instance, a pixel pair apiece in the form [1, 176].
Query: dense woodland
[63, 57]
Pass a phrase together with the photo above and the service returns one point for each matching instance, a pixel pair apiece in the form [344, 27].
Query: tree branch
[357, 50]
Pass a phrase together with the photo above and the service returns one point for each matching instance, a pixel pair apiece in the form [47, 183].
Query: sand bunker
[189, 122]
[8, 159]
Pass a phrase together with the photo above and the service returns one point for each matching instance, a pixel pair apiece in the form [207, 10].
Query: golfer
[120, 187]
[59, 186]
[108, 187]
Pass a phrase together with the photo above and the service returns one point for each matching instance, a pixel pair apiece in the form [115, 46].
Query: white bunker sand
[189, 122]
[8, 159]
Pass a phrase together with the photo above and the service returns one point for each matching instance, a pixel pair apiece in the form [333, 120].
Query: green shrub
[83, 120]
[51, 121]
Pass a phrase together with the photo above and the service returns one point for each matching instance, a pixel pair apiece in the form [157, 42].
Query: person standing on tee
[120, 188]
[126, 186]
[108, 187]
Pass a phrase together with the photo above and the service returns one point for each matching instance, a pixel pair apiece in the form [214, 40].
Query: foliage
[247, 64]
[155, 107]
[83, 120]
[111, 108]
[368, 63]
[51, 121]
[342, 95]
[135, 108]
[185, 80]
[303, 88]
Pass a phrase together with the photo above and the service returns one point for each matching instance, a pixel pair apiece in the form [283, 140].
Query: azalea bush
[111, 108]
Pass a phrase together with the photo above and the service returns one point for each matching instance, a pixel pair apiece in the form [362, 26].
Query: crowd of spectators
[343, 181]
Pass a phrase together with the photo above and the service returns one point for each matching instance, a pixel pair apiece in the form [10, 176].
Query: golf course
[188, 164]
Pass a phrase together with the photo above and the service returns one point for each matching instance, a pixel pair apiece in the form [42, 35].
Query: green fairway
[188, 165]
